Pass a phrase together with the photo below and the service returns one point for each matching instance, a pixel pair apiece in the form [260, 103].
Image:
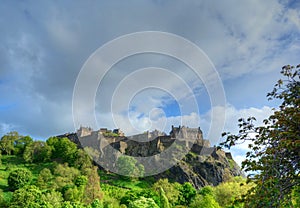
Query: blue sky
[44, 44]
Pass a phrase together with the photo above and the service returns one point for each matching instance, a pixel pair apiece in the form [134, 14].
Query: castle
[205, 165]
[181, 133]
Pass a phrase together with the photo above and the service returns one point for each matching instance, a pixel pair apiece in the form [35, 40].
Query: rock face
[202, 165]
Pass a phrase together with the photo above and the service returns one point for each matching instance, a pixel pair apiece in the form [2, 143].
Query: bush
[143, 203]
[19, 178]
[206, 201]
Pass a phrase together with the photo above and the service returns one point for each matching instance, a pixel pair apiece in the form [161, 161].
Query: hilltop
[202, 164]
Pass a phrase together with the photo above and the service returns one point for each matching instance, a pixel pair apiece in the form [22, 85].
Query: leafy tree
[52, 199]
[45, 179]
[37, 151]
[143, 202]
[65, 175]
[135, 195]
[207, 190]
[97, 204]
[171, 192]
[73, 194]
[7, 142]
[19, 178]
[21, 143]
[206, 201]
[187, 193]
[128, 166]
[2, 199]
[163, 199]
[227, 193]
[82, 160]
[63, 149]
[26, 197]
[275, 149]
[81, 181]
[92, 189]
[129, 197]
[68, 204]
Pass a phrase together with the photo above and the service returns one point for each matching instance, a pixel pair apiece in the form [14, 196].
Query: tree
[73, 194]
[45, 179]
[171, 192]
[227, 193]
[65, 175]
[92, 188]
[37, 151]
[187, 193]
[52, 199]
[163, 199]
[96, 204]
[7, 142]
[26, 197]
[82, 160]
[275, 149]
[19, 178]
[143, 202]
[128, 166]
[206, 201]
[21, 143]
[63, 149]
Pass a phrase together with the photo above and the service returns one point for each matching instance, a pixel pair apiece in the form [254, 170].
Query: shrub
[19, 178]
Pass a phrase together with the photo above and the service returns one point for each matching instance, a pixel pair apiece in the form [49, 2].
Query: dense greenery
[56, 173]
[274, 147]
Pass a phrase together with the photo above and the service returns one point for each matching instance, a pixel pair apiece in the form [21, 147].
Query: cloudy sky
[44, 45]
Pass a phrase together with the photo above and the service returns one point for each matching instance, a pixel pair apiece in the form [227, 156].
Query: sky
[45, 44]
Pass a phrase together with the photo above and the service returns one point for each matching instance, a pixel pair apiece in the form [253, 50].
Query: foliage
[68, 204]
[92, 189]
[82, 160]
[45, 179]
[128, 166]
[113, 191]
[275, 149]
[26, 197]
[171, 192]
[37, 151]
[19, 178]
[52, 199]
[134, 194]
[228, 193]
[73, 194]
[65, 175]
[96, 204]
[207, 190]
[21, 143]
[163, 199]
[206, 201]
[143, 202]
[110, 134]
[7, 142]
[63, 149]
[187, 194]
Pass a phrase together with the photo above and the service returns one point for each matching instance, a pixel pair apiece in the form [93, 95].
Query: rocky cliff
[200, 164]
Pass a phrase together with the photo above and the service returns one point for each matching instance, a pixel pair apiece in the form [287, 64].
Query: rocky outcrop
[202, 165]
[204, 169]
